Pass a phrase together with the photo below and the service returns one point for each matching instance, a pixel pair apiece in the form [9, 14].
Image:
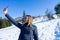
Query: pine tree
[3, 23]
[9, 23]
[0, 22]
[24, 14]
[57, 8]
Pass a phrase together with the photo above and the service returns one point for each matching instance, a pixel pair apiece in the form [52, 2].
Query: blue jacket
[27, 32]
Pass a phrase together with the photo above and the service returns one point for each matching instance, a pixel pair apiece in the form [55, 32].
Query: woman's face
[26, 19]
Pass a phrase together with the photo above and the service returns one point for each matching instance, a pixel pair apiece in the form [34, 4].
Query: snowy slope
[47, 30]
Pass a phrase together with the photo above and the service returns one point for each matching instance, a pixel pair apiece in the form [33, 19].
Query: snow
[47, 30]
[55, 16]
[10, 33]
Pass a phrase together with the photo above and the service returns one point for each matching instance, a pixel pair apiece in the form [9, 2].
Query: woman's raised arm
[5, 10]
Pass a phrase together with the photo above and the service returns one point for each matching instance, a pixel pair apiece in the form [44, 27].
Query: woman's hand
[5, 10]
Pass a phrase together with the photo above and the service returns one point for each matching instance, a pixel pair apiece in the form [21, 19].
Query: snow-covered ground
[47, 30]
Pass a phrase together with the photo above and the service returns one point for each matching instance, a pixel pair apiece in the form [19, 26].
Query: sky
[31, 7]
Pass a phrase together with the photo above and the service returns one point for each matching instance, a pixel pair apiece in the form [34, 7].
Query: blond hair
[30, 19]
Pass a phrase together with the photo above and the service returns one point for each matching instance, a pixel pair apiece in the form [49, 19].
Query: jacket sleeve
[35, 33]
[13, 21]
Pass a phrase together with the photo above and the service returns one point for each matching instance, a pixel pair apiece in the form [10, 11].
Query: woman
[28, 31]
